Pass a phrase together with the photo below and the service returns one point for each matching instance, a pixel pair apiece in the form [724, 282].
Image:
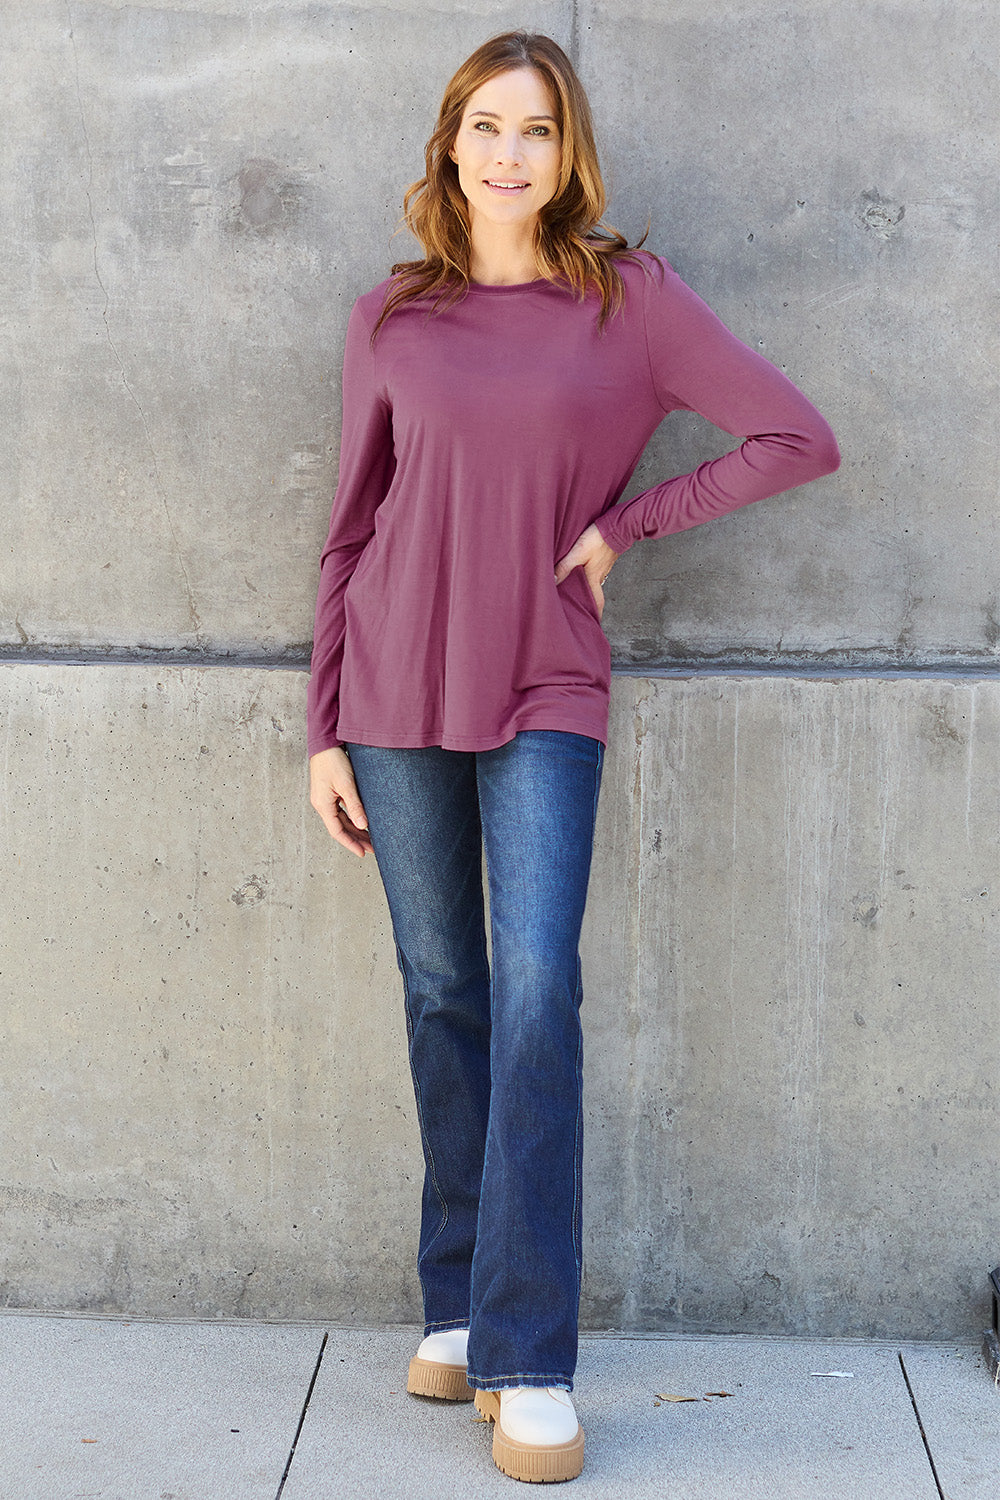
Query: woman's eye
[488, 128]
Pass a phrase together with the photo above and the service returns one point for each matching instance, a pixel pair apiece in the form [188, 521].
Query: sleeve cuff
[611, 532]
[326, 742]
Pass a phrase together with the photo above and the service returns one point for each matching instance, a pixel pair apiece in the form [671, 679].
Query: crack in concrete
[920, 1425]
[302, 1417]
[160, 490]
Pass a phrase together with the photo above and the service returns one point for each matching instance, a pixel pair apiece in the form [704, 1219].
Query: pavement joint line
[302, 1416]
[923, 1434]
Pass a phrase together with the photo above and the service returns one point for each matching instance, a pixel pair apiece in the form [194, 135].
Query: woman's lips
[505, 189]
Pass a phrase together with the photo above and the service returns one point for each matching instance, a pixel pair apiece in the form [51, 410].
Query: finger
[598, 571]
[326, 801]
[351, 815]
[329, 812]
[351, 826]
[352, 806]
[344, 829]
[358, 841]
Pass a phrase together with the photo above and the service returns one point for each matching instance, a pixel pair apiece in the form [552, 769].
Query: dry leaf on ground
[662, 1396]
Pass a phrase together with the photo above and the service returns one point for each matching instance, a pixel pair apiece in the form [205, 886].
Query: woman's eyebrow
[488, 114]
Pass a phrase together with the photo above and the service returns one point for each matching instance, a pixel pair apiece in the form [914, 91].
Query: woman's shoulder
[653, 288]
[637, 267]
[370, 304]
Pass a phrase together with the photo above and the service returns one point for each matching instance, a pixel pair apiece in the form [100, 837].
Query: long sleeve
[697, 365]
[367, 465]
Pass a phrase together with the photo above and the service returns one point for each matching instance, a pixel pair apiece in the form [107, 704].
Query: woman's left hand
[591, 553]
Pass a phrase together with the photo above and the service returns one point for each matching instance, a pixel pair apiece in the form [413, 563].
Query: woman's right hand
[333, 793]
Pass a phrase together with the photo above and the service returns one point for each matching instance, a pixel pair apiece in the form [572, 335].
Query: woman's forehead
[522, 91]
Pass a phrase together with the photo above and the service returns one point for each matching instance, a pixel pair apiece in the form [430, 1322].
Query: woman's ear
[453, 155]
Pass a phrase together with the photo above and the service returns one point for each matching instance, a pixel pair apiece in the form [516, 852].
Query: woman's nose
[509, 148]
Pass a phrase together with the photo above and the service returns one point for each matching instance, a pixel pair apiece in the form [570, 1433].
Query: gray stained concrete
[195, 193]
[142, 1411]
[790, 961]
[791, 950]
[135, 1411]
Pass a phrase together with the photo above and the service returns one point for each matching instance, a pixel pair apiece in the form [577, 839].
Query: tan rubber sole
[428, 1377]
[534, 1465]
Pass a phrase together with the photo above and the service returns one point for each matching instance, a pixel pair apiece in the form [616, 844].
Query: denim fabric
[496, 1054]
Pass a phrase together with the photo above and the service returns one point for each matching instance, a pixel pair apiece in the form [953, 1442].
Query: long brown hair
[571, 241]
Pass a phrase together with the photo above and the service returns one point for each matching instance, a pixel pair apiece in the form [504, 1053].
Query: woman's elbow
[826, 451]
[831, 457]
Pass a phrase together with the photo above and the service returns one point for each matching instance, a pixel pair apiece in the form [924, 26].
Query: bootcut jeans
[495, 1049]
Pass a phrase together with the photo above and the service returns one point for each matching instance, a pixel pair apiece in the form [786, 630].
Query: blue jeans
[496, 1054]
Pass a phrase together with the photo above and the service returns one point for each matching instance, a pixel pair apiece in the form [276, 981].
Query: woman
[498, 394]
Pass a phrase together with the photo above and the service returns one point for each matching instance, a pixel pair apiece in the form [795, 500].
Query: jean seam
[578, 999]
[577, 1185]
[431, 1167]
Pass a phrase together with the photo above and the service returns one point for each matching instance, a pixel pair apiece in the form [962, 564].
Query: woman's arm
[366, 469]
[696, 364]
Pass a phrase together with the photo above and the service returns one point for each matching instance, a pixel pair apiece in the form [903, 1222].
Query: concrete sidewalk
[100, 1409]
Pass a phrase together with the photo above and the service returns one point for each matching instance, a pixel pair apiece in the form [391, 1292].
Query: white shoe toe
[450, 1347]
[542, 1416]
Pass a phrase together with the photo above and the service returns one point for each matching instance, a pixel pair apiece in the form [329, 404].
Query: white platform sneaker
[536, 1436]
[439, 1365]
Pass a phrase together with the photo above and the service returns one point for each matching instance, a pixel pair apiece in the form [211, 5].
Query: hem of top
[438, 739]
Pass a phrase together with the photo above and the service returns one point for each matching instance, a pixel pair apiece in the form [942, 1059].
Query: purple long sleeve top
[477, 445]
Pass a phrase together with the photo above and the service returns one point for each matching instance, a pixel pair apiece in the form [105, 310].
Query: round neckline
[507, 286]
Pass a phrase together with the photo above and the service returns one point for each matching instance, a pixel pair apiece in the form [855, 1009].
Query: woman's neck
[503, 257]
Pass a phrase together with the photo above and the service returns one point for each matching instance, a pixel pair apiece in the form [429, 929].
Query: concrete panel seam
[297, 659]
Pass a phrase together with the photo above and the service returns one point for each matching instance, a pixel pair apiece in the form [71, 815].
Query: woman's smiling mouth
[508, 189]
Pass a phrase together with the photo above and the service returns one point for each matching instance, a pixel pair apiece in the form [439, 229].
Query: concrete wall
[791, 945]
[199, 191]
[791, 958]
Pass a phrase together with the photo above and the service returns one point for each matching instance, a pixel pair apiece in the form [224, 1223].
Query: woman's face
[508, 149]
